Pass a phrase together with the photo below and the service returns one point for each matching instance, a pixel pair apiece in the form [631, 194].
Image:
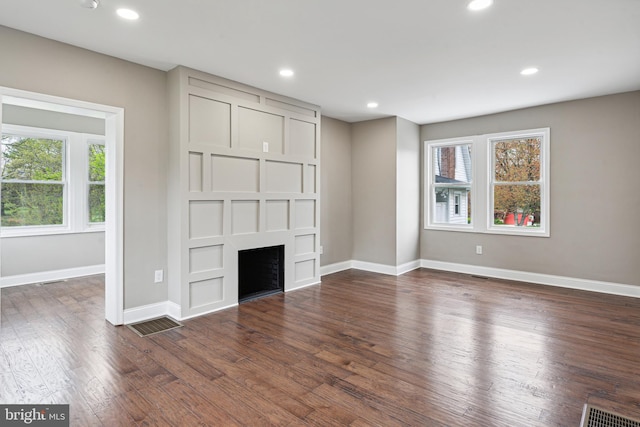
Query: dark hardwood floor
[425, 349]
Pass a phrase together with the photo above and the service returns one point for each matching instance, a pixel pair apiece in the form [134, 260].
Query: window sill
[513, 231]
[6, 234]
[463, 228]
[506, 232]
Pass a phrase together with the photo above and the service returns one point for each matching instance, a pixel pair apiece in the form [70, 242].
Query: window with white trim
[507, 173]
[50, 181]
[450, 181]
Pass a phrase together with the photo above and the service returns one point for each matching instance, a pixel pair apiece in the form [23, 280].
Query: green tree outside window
[96, 195]
[31, 181]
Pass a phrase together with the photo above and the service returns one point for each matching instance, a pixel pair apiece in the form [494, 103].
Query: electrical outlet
[321, 250]
[265, 146]
[159, 277]
[479, 250]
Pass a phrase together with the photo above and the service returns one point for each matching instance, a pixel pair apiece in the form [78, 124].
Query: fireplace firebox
[260, 272]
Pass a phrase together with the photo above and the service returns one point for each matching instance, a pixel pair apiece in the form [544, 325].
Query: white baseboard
[205, 312]
[169, 308]
[374, 267]
[405, 268]
[164, 308]
[499, 273]
[173, 310]
[145, 312]
[50, 276]
[370, 266]
[306, 285]
[538, 278]
[335, 268]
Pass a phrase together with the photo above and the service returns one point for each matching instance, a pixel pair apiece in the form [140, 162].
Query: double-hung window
[51, 181]
[507, 174]
[517, 182]
[33, 179]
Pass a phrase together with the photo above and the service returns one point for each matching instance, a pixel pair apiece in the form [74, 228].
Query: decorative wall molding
[51, 276]
[246, 168]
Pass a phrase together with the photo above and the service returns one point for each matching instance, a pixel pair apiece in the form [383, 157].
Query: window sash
[92, 184]
[461, 177]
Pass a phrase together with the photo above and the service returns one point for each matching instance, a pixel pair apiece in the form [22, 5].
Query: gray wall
[76, 73]
[371, 191]
[373, 169]
[35, 254]
[52, 252]
[34, 117]
[408, 192]
[595, 152]
[336, 208]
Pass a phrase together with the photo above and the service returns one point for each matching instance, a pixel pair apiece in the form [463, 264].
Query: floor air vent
[596, 417]
[154, 326]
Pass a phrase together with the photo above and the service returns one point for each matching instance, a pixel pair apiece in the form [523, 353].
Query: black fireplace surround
[260, 272]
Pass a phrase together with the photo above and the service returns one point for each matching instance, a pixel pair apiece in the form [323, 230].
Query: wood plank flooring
[424, 349]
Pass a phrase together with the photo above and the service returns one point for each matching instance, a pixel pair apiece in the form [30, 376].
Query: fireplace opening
[260, 272]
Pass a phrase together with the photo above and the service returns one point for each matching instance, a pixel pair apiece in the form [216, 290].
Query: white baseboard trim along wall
[498, 273]
[164, 308]
[171, 309]
[370, 266]
[539, 278]
[50, 276]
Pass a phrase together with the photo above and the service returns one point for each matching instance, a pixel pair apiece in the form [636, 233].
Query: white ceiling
[424, 60]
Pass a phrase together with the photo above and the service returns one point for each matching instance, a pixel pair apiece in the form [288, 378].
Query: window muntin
[32, 180]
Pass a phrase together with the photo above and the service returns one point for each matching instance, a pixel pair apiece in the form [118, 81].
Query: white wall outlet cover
[159, 276]
[265, 146]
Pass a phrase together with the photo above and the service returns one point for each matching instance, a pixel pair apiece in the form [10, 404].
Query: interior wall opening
[52, 109]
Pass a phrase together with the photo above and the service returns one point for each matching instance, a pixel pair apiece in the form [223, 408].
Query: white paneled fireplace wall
[243, 174]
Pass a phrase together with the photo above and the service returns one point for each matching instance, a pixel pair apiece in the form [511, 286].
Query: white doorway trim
[114, 141]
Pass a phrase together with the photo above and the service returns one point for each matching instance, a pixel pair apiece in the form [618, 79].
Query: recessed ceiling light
[372, 105]
[529, 71]
[286, 72]
[129, 14]
[90, 4]
[479, 4]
